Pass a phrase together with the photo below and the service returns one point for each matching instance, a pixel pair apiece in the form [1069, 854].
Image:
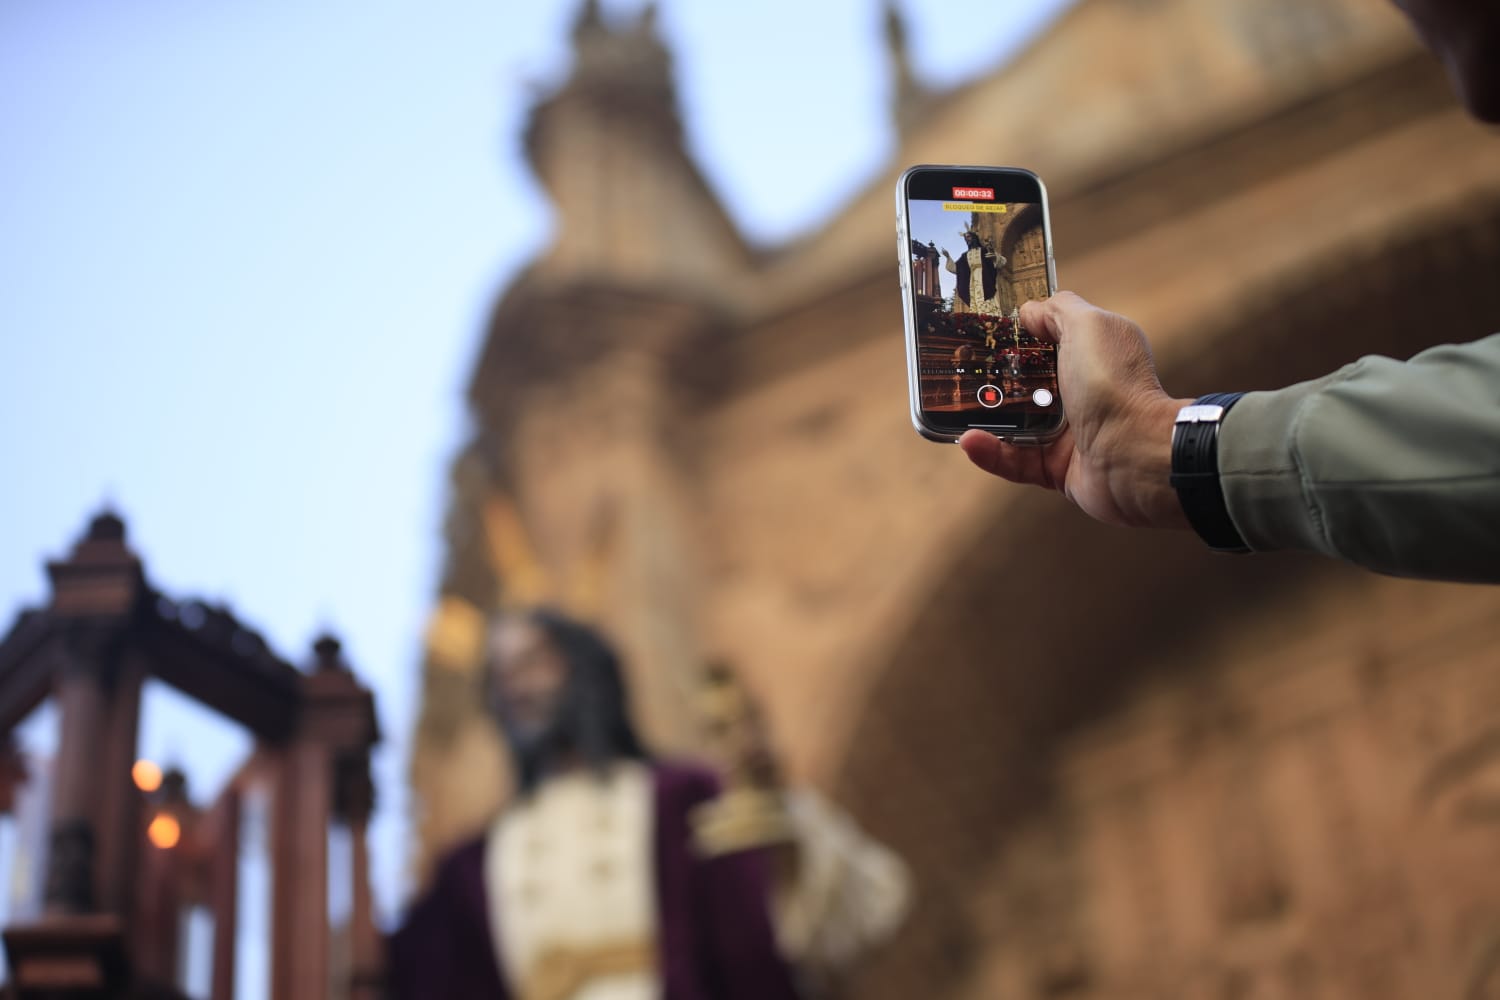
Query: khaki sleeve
[1391, 465]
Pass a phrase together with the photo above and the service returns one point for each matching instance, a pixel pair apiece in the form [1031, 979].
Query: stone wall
[1118, 766]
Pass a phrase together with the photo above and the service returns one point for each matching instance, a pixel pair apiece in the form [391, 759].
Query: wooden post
[119, 821]
[282, 834]
[366, 979]
[224, 891]
[94, 594]
[155, 943]
[300, 886]
[12, 772]
[70, 863]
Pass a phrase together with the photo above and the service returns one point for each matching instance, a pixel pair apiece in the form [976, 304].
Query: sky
[929, 223]
[248, 247]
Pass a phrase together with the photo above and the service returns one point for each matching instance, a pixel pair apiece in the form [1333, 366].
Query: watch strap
[1195, 471]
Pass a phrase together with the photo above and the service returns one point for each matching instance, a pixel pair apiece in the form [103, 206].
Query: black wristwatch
[1195, 471]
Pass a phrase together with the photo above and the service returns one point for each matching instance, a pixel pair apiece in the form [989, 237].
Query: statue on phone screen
[977, 272]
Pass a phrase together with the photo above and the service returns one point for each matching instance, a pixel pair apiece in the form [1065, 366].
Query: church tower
[910, 98]
[631, 206]
[573, 490]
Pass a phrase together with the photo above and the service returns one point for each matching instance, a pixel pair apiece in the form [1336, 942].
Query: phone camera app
[975, 261]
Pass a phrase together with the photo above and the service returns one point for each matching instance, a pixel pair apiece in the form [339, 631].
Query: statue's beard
[538, 746]
[528, 733]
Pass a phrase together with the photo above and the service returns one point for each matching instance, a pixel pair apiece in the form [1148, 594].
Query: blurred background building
[1119, 767]
[244, 246]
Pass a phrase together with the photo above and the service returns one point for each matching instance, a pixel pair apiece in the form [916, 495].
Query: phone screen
[979, 250]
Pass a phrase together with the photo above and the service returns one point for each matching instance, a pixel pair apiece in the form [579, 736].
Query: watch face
[979, 250]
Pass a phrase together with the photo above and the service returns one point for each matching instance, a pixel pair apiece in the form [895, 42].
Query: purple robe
[714, 935]
[988, 276]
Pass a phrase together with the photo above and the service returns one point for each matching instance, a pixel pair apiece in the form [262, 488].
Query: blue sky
[929, 223]
[247, 249]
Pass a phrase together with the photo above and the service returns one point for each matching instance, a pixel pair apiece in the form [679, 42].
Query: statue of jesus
[978, 273]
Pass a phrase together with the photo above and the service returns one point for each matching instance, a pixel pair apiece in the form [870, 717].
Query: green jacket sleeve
[1392, 465]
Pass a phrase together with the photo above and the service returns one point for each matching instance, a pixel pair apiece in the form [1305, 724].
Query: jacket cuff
[1258, 471]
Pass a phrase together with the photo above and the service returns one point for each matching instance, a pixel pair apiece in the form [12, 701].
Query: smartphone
[974, 244]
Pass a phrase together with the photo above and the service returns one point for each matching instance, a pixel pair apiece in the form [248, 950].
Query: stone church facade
[1118, 766]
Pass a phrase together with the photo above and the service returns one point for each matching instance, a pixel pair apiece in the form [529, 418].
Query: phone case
[908, 305]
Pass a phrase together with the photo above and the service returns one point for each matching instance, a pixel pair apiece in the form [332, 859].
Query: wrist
[1157, 504]
[1195, 471]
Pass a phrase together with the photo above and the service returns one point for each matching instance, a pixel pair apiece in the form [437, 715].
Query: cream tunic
[569, 872]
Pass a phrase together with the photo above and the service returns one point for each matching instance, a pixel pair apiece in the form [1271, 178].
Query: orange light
[164, 831]
[147, 775]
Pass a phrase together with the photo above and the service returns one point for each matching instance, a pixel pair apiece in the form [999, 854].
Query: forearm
[1391, 465]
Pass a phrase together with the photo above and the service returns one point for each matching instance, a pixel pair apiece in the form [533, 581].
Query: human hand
[1114, 459]
[755, 755]
[737, 729]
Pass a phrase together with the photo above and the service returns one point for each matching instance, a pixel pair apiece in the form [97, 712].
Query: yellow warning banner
[969, 206]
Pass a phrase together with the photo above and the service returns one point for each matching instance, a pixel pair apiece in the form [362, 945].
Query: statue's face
[527, 678]
[972, 239]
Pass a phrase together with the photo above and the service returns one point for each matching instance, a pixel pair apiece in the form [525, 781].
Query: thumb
[1051, 318]
[1017, 463]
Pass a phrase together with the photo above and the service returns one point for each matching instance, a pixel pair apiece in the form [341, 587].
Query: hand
[1114, 459]
[756, 758]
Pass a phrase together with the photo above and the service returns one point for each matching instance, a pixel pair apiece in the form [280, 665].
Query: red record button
[990, 396]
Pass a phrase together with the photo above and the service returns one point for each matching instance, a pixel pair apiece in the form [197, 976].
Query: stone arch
[1457, 808]
[1483, 982]
[1045, 620]
[1025, 220]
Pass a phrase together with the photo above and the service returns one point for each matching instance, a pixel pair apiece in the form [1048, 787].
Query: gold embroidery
[560, 972]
